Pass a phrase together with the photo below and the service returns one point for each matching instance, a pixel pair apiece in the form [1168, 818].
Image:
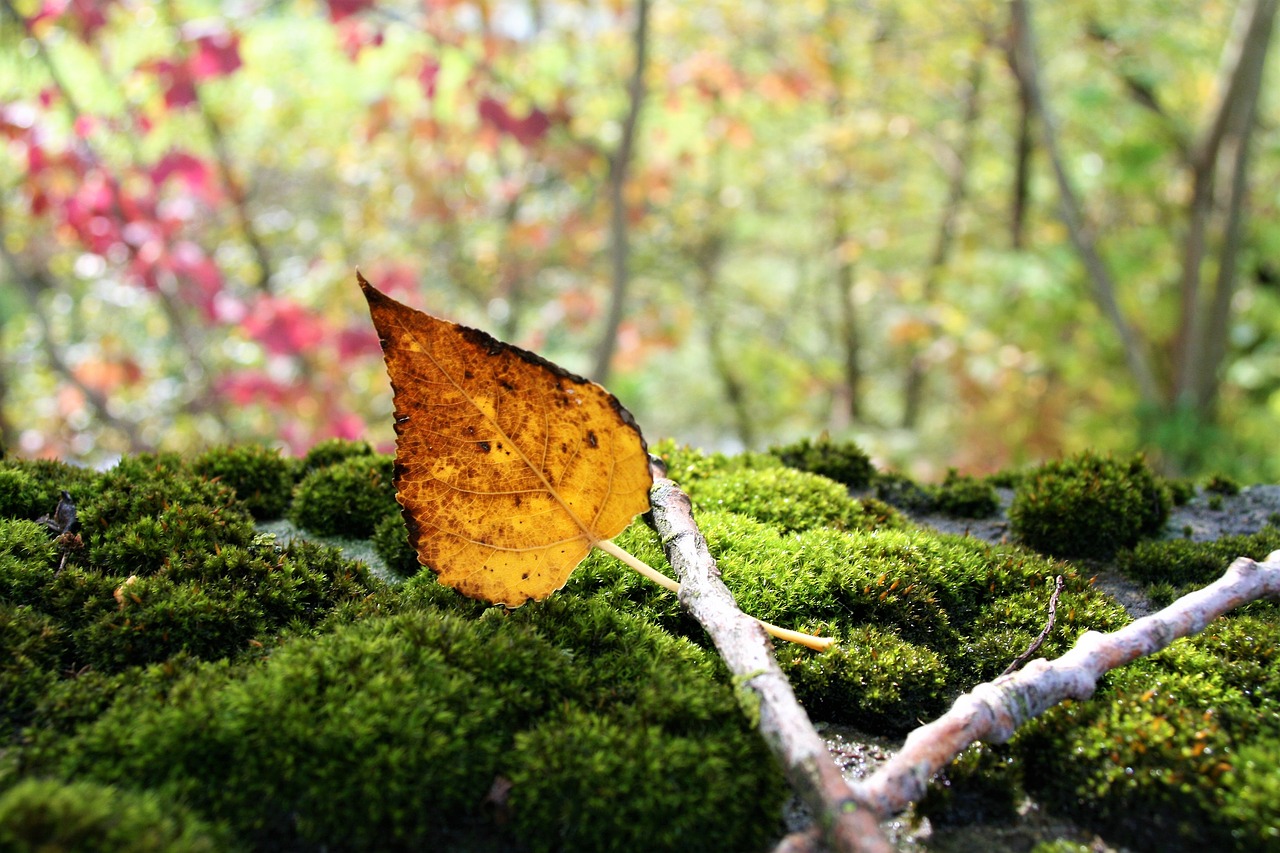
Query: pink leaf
[339, 9]
[217, 55]
[190, 170]
[175, 80]
[283, 326]
[526, 131]
[429, 76]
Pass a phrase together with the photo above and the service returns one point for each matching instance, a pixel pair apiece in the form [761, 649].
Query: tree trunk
[944, 239]
[619, 166]
[1220, 157]
[1101, 284]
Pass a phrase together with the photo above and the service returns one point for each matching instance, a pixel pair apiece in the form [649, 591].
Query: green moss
[391, 543]
[261, 478]
[919, 617]
[20, 495]
[31, 488]
[792, 500]
[407, 722]
[332, 451]
[34, 649]
[1222, 484]
[842, 461]
[1088, 506]
[1181, 490]
[46, 816]
[962, 496]
[347, 498]
[1182, 564]
[982, 785]
[903, 492]
[686, 465]
[871, 678]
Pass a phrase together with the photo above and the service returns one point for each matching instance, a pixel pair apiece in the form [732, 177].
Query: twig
[1021, 659]
[845, 821]
[993, 711]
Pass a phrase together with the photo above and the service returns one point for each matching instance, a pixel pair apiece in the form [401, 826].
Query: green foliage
[1184, 564]
[261, 478]
[407, 721]
[47, 816]
[842, 461]
[391, 543]
[962, 496]
[347, 498]
[1088, 506]
[1173, 753]
[793, 500]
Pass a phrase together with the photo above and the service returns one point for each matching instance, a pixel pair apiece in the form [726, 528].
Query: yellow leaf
[509, 468]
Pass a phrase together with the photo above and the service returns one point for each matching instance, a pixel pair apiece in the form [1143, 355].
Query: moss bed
[175, 679]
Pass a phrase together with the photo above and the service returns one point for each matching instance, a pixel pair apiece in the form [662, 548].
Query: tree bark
[619, 167]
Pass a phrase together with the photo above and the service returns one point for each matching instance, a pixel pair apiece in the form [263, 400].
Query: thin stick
[1021, 659]
[807, 640]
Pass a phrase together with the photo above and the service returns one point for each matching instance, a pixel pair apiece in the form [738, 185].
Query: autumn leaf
[509, 468]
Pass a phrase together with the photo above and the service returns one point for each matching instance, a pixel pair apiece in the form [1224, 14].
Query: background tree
[831, 216]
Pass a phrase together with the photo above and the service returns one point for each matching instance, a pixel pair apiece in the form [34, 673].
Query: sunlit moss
[1088, 506]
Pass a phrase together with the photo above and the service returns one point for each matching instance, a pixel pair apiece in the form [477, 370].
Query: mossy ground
[176, 678]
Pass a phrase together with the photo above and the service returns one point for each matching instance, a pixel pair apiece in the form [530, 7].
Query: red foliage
[527, 131]
[341, 9]
[83, 17]
[216, 55]
[283, 326]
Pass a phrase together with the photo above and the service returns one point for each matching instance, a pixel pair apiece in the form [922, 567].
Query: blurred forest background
[968, 234]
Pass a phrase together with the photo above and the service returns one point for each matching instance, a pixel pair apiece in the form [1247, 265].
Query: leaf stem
[806, 640]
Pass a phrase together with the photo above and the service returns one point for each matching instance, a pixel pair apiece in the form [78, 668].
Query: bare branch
[846, 823]
[992, 712]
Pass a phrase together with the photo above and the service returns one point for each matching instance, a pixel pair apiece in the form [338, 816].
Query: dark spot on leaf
[507, 386]
[591, 439]
[483, 445]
